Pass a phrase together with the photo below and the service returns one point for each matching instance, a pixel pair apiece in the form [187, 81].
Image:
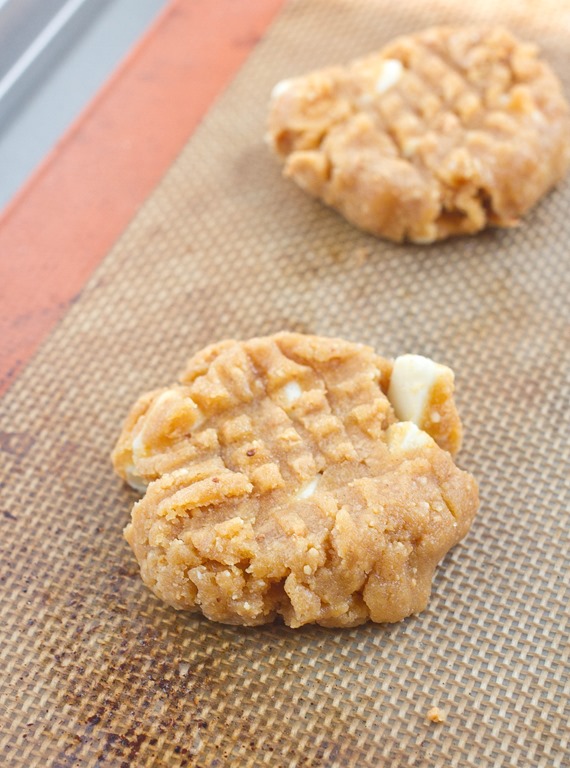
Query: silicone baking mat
[95, 671]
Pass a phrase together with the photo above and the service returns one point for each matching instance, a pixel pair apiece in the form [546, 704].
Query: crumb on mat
[435, 715]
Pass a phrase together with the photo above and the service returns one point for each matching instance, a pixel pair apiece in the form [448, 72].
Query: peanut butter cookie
[297, 476]
[440, 133]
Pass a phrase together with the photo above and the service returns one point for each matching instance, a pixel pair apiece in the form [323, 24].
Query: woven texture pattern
[95, 670]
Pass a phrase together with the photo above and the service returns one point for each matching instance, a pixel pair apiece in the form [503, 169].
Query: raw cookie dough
[440, 133]
[297, 476]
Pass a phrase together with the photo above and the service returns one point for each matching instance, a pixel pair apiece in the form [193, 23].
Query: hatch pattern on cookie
[440, 133]
[280, 481]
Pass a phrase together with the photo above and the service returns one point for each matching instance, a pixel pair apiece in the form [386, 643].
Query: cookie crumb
[435, 715]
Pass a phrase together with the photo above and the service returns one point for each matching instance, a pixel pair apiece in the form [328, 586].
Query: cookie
[440, 133]
[296, 476]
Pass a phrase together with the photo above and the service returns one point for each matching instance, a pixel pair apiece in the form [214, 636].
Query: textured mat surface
[95, 670]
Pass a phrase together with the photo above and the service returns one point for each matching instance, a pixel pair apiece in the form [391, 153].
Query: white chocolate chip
[282, 87]
[292, 391]
[134, 480]
[138, 445]
[405, 436]
[391, 72]
[412, 383]
[414, 438]
[307, 570]
[308, 489]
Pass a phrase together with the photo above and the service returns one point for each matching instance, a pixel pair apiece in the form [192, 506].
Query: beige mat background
[95, 671]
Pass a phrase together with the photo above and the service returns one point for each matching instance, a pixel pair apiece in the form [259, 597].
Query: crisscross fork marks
[471, 112]
[308, 498]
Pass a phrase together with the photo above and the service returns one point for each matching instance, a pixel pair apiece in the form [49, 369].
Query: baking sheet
[95, 670]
